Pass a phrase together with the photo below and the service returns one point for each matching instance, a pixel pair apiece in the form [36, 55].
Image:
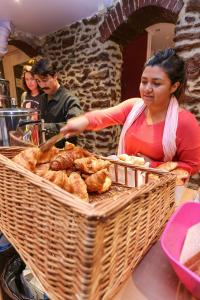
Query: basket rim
[10, 148]
[90, 210]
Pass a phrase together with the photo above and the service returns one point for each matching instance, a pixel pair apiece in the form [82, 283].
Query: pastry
[131, 159]
[65, 159]
[78, 186]
[28, 158]
[99, 182]
[91, 164]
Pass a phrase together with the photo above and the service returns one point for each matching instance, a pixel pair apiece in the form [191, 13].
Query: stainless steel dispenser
[11, 118]
[5, 101]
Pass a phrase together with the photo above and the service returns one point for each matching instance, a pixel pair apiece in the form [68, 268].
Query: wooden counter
[153, 278]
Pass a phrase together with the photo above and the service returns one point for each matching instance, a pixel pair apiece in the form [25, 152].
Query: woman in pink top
[154, 126]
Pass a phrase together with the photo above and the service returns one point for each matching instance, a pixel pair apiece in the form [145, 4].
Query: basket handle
[24, 122]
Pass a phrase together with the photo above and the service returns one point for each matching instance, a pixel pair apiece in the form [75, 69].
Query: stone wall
[129, 18]
[187, 43]
[91, 69]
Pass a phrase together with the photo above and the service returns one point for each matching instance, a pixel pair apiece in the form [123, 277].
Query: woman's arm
[115, 115]
[99, 119]
[188, 143]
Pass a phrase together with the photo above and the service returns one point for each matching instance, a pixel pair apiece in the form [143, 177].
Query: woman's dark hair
[173, 66]
[44, 67]
[26, 69]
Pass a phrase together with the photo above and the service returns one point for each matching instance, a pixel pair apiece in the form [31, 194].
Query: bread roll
[168, 166]
[131, 159]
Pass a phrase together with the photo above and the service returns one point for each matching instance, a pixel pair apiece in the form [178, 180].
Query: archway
[18, 53]
[25, 47]
[128, 19]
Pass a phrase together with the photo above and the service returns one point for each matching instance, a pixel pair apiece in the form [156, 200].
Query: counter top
[154, 278]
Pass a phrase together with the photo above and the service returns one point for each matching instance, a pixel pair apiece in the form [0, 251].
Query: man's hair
[44, 67]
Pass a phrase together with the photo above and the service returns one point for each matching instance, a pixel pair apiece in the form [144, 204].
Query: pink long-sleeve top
[147, 139]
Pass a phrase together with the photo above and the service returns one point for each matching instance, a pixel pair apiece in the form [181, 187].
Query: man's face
[48, 83]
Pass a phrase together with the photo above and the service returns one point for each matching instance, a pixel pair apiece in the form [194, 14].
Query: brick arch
[130, 18]
[25, 47]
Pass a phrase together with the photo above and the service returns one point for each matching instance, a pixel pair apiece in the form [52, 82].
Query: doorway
[156, 37]
[12, 67]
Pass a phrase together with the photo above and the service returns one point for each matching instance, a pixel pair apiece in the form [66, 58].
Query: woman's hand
[75, 126]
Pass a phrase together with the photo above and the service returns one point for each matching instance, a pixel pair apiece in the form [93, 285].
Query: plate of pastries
[171, 166]
[72, 168]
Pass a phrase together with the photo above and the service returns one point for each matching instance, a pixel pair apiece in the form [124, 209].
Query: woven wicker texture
[81, 250]
[10, 152]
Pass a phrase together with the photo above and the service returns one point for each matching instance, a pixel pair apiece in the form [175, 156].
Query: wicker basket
[81, 250]
[10, 152]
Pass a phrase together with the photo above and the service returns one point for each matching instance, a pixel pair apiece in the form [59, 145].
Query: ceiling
[44, 16]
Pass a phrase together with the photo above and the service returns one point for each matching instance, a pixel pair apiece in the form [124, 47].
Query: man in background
[58, 105]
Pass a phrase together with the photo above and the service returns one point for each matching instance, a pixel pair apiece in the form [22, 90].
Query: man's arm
[72, 107]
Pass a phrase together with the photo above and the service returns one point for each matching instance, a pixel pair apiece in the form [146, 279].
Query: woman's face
[30, 82]
[156, 87]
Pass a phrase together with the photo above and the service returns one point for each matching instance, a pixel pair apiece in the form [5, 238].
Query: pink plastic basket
[172, 241]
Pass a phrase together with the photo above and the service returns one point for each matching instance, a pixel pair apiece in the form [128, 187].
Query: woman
[33, 95]
[154, 126]
[31, 98]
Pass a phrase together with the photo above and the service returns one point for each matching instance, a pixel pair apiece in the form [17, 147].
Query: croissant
[78, 186]
[181, 175]
[167, 166]
[69, 146]
[42, 169]
[65, 159]
[70, 170]
[60, 178]
[28, 158]
[99, 182]
[62, 161]
[46, 156]
[91, 164]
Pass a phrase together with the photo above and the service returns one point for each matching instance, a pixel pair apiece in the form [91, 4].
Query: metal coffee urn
[11, 115]
[5, 100]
